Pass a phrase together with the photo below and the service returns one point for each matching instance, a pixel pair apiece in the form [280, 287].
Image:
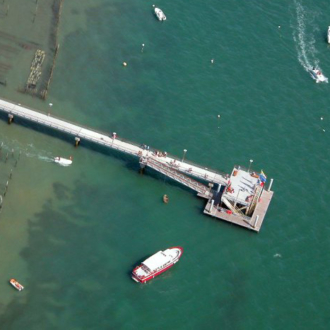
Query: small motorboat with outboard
[63, 161]
[328, 34]
[16, 285]
[317, 75]
[159, 13]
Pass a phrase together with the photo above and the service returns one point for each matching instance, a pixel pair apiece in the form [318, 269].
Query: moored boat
[159, 13]
[328, 34]
[63, 161]
[157, 264]
[16, 285]
[317, 75]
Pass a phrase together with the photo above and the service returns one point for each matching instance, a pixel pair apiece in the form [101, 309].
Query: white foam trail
[304, 41]
[28, 150]
[46, 158]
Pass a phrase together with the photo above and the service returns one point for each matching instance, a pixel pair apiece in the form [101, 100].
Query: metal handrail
[77, 130]
[175, 174]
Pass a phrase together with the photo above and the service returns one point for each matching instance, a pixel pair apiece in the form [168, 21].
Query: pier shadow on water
[130, 162]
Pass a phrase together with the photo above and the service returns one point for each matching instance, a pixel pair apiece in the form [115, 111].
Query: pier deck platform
[254, 223]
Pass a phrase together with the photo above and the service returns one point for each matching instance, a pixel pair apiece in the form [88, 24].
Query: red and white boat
[16, 285]
[157, 264]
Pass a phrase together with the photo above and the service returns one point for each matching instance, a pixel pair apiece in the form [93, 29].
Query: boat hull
[160, 15]
[318, 76]
[147, 279]
[156, 273]
[63, 161]
[16, 285]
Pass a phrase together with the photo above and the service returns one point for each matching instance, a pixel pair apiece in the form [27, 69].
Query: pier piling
[256, 222]
[10, 118]
[270, 184]
[77, 141]
[6, 188]
[247, 211]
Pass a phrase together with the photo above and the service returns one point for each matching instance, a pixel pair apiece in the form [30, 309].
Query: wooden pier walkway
[81, 133]
[201, 189]
[245, 183]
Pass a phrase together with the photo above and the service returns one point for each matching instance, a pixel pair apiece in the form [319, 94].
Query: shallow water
[72, 235]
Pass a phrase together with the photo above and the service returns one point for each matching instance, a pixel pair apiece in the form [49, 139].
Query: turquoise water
[72, 235]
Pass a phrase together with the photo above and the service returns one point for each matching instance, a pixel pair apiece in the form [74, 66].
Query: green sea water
[72, 235]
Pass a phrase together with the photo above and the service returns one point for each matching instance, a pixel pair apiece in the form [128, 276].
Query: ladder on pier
[176, 175]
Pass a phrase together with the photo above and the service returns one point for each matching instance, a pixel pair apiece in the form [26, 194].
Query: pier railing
[175, 175]
[101, 138]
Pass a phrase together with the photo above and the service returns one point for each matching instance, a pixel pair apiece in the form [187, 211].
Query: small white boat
[317, 75]
[16, 285]
[63, 161]
[328, 34]
[159, 13]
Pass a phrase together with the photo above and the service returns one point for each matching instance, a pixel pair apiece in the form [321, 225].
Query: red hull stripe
[159, 272]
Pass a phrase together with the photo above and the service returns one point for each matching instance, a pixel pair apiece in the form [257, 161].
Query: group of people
[160, 154]
[174, 163]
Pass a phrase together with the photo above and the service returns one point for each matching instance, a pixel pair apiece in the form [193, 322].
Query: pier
[239, 198]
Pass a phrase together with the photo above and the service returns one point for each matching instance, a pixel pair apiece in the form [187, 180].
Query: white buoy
[279, 26]
[321, 118]
[50, 104]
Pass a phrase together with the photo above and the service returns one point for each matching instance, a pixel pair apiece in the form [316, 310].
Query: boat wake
[305, 41]
[29, 150]
[46, 159]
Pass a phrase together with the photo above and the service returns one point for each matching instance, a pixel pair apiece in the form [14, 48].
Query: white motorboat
[157, 264]
[63, 161]
[317, 75]
[328, 34]
[159, 13]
